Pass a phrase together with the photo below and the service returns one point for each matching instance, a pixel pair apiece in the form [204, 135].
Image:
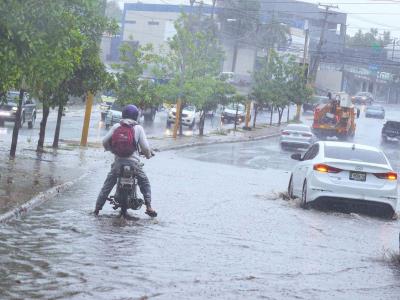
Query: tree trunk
[58, 126]
[202, 121]
[270, 117]
[214, 2]
[235, 53]
[255, 114]
[298, 112]
[180, 120]
[280, 113]
[288, 113]
[43, 123]
[17, 125]
[236, 114]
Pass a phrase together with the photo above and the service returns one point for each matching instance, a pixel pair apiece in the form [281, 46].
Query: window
[312, 153]
[153, 23]
[354, 154]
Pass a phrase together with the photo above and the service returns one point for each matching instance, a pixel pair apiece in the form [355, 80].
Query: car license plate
[126, 181]
[358, 176]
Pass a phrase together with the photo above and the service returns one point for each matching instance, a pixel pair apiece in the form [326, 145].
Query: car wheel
[290, 187]
[22, 121]
[303, 202]
[32, 123]
[191, 126]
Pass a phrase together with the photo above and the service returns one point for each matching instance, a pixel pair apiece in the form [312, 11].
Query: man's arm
[108, 136]
[143, 142]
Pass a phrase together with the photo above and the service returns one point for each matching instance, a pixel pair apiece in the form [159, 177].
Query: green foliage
[131, 86]
[193, 63]
[370, 39]
[46, 43]
[272, 34]
[113, 11]
[280, 81]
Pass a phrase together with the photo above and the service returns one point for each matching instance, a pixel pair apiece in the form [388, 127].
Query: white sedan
[190, 116]
[345, 173]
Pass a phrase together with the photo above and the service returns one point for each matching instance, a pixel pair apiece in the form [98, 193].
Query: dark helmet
[130, 112]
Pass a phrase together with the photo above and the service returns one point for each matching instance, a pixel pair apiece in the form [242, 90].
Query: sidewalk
[216, 137]
[31, 178]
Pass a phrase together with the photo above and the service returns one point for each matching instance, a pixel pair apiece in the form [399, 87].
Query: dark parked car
[375, 111]
[8, 109]
[229, 113]
[391, 131]
[364, 98]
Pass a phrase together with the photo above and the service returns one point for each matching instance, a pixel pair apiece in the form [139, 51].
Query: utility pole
[317, 58]
[394, 46]
[306, 42]
[89, 100]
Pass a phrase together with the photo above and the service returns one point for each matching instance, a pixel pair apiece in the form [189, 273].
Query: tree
[113, 11]
[370, 39]
[297, 89]
[132, 87]
[279, 81]
[272, 35]
[239, 20]
[192, 65]
[25, 30]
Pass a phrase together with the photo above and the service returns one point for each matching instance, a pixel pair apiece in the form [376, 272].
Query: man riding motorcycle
[130, 115]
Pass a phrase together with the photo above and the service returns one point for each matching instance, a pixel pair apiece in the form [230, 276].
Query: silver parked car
[375, 111]
[297, 135]
[114, 115]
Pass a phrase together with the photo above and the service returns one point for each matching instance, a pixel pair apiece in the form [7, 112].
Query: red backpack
[123, 141]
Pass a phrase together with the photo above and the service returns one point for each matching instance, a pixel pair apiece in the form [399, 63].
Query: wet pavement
[224, 231]
[268, 154]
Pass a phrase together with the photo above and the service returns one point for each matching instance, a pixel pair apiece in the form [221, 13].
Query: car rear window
[117, 107]
[393, 124]
[347, 153]
[298, 128]
[375, 108]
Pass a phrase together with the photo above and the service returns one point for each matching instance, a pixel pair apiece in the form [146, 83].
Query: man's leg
[108, 185]
[145, 189]
[144, 184]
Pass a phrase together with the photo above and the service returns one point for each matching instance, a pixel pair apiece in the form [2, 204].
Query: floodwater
[223, 232]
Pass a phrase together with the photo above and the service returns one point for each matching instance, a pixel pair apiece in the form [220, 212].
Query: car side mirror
[296, 156]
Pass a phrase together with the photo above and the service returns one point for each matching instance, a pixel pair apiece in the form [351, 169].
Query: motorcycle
[126, 196]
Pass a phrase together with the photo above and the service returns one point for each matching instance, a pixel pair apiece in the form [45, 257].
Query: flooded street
[223, 232]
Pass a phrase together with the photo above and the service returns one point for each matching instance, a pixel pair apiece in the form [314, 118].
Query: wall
[329, 80]
[149, 27]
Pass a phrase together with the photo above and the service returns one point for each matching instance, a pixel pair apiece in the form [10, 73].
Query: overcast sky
[364, 14]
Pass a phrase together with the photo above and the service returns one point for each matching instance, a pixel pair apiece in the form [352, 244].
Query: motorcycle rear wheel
[123, 202]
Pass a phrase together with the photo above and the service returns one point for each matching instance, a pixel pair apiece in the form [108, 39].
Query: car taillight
[307, 134]
[285, 133]
[388, 175]
[326, 169]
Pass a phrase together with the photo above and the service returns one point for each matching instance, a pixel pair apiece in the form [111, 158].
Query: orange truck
[336, 118]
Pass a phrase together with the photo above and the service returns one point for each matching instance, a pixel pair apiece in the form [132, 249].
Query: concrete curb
[38, 200]
[250, 139]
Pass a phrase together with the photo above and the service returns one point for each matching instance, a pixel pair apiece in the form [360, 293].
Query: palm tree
[272, 35]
